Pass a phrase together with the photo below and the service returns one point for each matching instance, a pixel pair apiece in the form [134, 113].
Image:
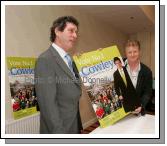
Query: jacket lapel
[63, 65]
[121, 79]
[139, 79]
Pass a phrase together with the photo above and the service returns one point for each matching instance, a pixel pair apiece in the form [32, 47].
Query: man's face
[118, 64]
[66, 39]
[132, 53]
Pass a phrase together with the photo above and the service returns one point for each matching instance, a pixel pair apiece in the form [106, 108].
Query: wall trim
[90, 122]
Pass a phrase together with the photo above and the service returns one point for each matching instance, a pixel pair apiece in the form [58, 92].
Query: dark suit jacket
[144, 84]
[58, 93]
[130, 99]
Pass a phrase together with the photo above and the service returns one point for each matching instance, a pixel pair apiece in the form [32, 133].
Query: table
[131, 124]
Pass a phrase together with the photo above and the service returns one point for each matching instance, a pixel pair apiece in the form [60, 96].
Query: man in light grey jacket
[57, 82]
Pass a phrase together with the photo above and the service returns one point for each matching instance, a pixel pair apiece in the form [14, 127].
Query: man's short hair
[60, 24]
[132, 43]
[116, 58]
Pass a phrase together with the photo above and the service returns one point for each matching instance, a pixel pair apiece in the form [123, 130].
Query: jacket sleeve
[147, 88]
[46, 91]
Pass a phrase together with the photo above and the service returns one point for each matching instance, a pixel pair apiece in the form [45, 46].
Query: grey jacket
[58, 93]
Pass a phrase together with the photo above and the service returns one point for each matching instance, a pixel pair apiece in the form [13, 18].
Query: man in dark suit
[58, 86]
[124, 87]
[140, 74]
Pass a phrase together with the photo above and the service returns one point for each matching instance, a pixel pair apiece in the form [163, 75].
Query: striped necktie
[69, 61]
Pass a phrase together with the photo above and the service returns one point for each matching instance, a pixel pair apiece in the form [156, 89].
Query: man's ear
[57, 31]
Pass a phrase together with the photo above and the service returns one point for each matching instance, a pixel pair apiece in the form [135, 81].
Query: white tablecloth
[131, 124]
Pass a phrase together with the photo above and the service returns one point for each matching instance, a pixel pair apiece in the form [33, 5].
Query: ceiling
[129, 19]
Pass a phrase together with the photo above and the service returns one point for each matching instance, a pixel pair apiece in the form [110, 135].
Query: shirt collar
[127, 65]
[121, 69]
[61, 52]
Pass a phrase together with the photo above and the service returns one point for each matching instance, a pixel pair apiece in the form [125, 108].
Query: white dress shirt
[61, 52]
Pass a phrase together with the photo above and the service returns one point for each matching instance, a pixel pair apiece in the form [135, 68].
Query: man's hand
[137, 110]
